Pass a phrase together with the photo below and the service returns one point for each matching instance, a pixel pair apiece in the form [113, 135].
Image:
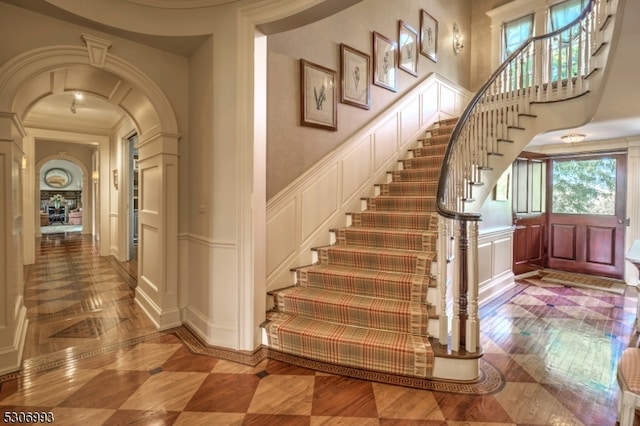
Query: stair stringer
[571, 112]
[545, 117]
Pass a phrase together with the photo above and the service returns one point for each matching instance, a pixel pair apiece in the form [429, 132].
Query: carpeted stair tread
[409, 188]
[387, 238]
[374, 350]
[416, 203]
[437, 139]
[359, 311]
[424, 162]
[407, 261]
[366, 282]
[395, 220]
[417, 175]
[428, 151]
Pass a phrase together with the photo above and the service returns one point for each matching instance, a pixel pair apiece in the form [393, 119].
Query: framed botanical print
[355, 71]
[318, 96]
[407, 48]
[384, 62]
[428, 36]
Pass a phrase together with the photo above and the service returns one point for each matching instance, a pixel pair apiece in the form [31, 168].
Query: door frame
[580, 226]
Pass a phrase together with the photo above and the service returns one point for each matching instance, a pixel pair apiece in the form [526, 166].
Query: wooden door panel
[536, 243]
[563, 241]
[520, 244]
[601, 245]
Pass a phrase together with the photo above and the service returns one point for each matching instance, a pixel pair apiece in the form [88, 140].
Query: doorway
[587, 204]
[133, 197]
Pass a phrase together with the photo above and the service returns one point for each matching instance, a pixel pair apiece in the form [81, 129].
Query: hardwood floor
[92, 357]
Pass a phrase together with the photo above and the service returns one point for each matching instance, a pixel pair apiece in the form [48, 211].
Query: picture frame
[502, 188]
[355, 75]
[407, 48]
[428, 35]
[385, 55]
[57, 177]
[318, 86]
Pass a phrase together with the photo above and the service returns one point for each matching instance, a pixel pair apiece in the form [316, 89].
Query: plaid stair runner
[364, 304]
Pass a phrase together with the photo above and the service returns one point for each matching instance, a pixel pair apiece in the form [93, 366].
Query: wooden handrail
[455, 138]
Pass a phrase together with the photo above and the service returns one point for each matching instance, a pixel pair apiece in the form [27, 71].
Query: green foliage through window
[584, 186]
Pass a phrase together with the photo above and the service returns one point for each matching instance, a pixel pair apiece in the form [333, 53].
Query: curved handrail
[464, 117]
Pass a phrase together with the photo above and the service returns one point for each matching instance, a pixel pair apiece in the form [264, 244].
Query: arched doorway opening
[30, 78]
[61, 193]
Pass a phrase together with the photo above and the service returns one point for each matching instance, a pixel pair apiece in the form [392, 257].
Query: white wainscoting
[301, 215]
[495, 260]
[213, 305]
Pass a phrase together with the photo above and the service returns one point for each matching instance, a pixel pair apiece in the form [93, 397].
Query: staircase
[396, 291]
[370, 300]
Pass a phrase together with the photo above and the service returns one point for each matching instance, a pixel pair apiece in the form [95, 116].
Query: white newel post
[443, 258]
[13, 313]
[157, 290]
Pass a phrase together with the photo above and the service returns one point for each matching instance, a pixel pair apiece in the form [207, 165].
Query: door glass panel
[584, 186]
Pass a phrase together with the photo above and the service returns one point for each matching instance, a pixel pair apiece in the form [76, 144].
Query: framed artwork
[384, 62]
[407, 48]
[428, 36]
[57, 177]
[355, 70]
[318, 96]
[501, 190]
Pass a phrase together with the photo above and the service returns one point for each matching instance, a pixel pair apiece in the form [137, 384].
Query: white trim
[287, 211]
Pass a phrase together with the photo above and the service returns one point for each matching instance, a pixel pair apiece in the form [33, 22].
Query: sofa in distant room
[75, 217]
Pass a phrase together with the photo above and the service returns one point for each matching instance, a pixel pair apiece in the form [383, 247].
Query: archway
[67, 177]
[41, 72]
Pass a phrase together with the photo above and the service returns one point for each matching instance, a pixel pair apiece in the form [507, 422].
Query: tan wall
[292, 148]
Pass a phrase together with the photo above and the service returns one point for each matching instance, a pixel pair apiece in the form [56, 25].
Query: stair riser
[423, 161]
[417, 204]
[418, 263]
[411, 290]
[399, 241]
[410, 319]
[383, 220]
[417, 175]
[409, 189]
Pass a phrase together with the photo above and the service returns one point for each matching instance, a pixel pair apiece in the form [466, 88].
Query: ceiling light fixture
[73, 106]
[572, 138]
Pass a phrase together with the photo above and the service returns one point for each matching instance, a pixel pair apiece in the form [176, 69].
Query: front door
[587, 205]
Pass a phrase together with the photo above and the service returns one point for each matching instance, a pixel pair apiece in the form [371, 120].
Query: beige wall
[292, 148]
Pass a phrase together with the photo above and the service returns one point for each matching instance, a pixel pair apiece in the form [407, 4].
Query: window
[515, 33]
[565, 48]
[584, 186]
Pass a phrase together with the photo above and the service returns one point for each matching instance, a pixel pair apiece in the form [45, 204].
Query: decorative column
[13, 313]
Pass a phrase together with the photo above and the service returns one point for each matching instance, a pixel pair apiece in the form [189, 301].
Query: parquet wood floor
[92, 358]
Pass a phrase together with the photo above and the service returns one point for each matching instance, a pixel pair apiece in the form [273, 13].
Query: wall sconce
[572, 138]
[94, 176]
[115, 179]
[457, 39]
[24, 162]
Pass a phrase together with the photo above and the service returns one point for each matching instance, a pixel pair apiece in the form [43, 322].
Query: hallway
[92, 357]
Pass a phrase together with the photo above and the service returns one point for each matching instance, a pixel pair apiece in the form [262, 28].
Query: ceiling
[91, 112]
[617, 115]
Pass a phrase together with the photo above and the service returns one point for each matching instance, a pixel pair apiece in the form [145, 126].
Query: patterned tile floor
[92, 358]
